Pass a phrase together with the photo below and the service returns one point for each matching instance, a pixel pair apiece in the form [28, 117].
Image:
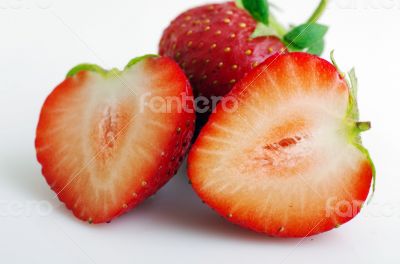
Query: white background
[40, 40]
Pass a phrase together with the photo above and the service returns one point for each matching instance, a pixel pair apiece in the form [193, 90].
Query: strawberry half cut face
[289, 161]
[102, 148]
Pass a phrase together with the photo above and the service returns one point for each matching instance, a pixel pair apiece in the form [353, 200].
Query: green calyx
[259, 9]
[106, 73]
[308, 37]
[86, 67]
[353, 126]
[139, 59]
[343, 75]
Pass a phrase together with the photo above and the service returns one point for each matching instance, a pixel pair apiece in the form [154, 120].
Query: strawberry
[213, 45]
[288, 161]
[217, 44]
[103, 150]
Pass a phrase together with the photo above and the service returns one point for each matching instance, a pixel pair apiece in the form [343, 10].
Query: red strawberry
[102, 150]
[289, 161]
[214, 43]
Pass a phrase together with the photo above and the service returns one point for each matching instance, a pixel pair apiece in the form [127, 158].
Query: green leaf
[293, 48]
[306, 35]
[259, 9]
[317, 48]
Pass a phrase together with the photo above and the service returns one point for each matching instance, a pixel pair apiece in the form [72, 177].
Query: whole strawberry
[217, 44]
[213, 45]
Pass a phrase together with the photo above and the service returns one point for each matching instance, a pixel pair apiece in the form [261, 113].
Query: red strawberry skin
[213, 45]
[293, 114]
[100, 153]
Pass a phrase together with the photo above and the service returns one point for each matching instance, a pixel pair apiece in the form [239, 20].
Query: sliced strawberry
[102, 149]
[289, 161]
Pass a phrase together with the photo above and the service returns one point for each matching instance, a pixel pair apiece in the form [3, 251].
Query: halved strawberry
[289, 161]
[103, 147]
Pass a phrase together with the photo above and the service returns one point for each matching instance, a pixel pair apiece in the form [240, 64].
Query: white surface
[39, 45]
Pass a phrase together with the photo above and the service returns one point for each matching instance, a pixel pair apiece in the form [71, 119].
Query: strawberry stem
[278, 27]
[363, 126]
[318, 12]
